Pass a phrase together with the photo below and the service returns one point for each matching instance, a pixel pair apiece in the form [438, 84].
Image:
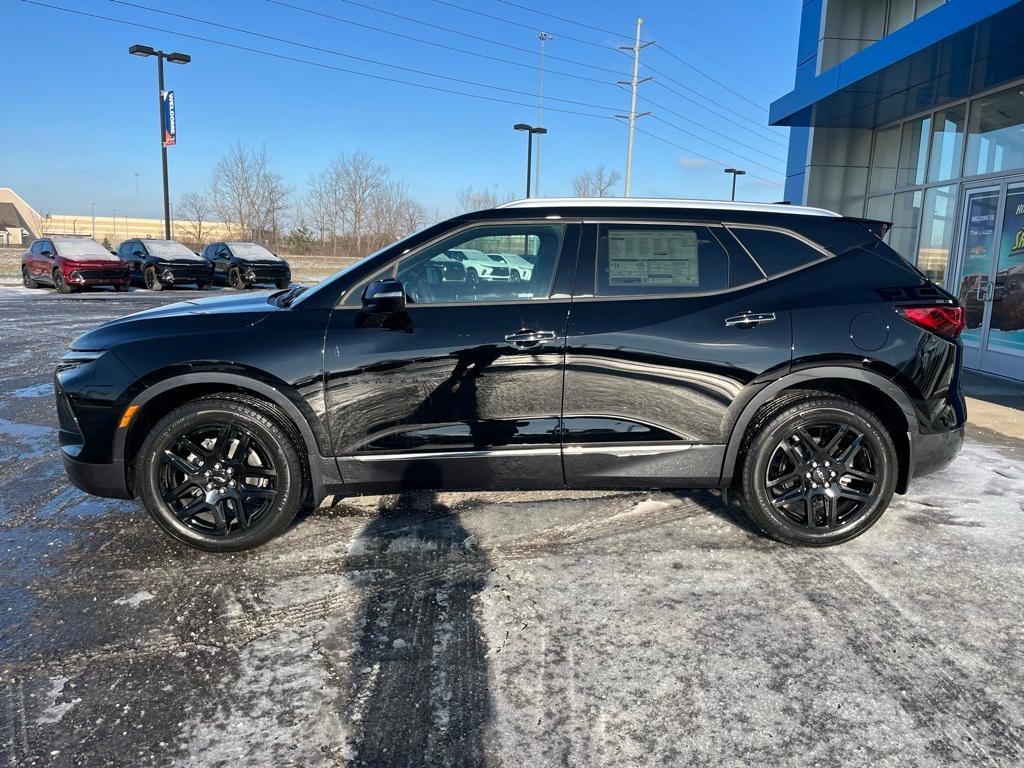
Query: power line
[487, 40]
[295, 59]
[362, 59]
[574, 22]
[713, 144]
[704, 157]
[719, 83]
[434, 43]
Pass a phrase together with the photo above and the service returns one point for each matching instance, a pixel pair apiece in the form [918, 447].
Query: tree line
[351, 207]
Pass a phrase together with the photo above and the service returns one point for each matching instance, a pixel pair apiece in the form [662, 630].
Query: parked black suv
[784, 352]
[243, 265]
[159, 264]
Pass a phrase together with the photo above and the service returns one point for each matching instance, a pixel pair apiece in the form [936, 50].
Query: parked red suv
[68, 263]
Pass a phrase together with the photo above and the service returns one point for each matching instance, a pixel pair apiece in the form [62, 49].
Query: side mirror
[385, 297]
[113, 253]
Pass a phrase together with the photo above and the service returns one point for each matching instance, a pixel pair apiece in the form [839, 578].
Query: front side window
[776, 252]
[660, 259]
[460, 268]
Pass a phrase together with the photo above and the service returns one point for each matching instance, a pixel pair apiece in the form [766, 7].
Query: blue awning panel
[962, 48]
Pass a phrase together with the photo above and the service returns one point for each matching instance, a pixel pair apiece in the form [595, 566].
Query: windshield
[250, 251]
[83, 248]
[169, 249]
[495, 257]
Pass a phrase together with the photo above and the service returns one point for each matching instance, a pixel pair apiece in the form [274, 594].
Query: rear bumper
[932, 453]
[106, 480]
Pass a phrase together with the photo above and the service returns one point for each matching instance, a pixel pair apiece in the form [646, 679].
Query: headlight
[75, 358]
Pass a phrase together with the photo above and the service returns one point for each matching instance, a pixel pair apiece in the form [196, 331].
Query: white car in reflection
[520, 270]
[480, 265]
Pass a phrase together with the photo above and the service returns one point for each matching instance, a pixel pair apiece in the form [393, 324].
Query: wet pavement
[518, 629]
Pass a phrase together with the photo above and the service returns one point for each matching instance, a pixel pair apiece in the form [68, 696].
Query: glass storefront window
[906, 219]
[937, 231]
[947, 144]
[914, 151]
[995, 140]
[927, 6]
[884, 160]
[901, 13]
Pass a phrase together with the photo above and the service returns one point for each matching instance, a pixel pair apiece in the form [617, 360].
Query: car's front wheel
[235, 279]
[26, 278]
[221, 473]
[59, 282]
[152, 280]
[818, 470]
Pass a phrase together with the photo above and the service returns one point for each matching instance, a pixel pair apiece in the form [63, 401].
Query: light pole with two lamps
[530, 131]
[735, 172]
[173, 58]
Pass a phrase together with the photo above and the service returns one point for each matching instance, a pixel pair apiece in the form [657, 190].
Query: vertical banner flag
[170, 125]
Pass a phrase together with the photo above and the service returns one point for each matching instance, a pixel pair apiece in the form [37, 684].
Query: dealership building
[912, 111]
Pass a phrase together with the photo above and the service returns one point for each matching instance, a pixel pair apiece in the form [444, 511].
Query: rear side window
[776, 252]
[662, 259]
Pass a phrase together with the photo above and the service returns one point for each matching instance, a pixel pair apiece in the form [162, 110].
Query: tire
[202, 286]
[282, 284]
[235, 279]
[26, 278]
[272, 439]
[817, 470]
[122, 287]
[472, 276]
[515, 276]
[152, 280]
[60, 283]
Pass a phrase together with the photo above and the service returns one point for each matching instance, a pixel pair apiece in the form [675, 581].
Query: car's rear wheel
[818, 471]
[221, 474]
[235, 279]
[121, 287]
[152, 279]
[282, 283]
[59, 282]
[202, 286]
[26, 278]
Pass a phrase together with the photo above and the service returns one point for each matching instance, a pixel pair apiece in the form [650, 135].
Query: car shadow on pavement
[418, 693]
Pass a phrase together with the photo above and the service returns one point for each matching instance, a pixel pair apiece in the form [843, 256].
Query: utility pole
[138, 204]
[633, 83]
[543, 37]
[93, 220]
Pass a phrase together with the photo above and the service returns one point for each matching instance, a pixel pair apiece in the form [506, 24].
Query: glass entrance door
[991, 278]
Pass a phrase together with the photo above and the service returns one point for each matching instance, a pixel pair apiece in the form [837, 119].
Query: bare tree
[470, 199]
[247, 196]
[195, 209]
[595, 183]
[357, 180]
[394, 213]
[323, 208]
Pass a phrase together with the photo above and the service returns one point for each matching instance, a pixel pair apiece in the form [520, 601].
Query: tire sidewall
[151, 280]
[781, 426]
[274, 439]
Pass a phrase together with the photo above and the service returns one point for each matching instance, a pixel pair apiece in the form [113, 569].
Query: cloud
[693, 162]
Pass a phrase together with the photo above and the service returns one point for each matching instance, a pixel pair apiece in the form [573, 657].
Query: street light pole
[174, 58]
[735, 172]
[530, 131]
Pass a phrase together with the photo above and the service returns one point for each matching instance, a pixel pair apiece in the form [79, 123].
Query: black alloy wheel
[59, 282]
[472, 276]
[26, 278]
[281, 284]
[819, 472]
[235, 279]
[221, 473]
[152, 280]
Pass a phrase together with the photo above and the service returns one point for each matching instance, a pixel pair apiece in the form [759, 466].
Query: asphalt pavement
[503, 629]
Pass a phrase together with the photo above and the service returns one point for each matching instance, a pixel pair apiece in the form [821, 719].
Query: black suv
[785, 353]
[159, 264]
[243, 265]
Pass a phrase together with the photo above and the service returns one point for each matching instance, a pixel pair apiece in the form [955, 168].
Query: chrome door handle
[524, 337]
[748, 319]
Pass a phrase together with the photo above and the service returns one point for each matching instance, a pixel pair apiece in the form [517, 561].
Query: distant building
[912, 111]
[19, 223]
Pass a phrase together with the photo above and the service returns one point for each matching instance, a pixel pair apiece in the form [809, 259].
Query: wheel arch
[870, 390]
[159, 398]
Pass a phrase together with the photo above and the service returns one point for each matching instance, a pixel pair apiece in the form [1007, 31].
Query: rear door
[670, 322]
[464, 389]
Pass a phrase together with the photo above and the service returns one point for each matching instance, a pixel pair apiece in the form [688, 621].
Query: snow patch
[135, 600]
[56, 710]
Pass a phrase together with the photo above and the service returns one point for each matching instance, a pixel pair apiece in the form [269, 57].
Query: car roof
[665, 202]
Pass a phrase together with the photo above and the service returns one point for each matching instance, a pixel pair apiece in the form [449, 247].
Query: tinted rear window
[776, 252]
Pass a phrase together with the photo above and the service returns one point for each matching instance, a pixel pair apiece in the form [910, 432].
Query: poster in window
[653, 258]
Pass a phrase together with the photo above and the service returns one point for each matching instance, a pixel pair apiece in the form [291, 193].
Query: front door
[463, 389]
[990, 277]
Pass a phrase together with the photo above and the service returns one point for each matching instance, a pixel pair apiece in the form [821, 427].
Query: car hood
[200, 316]
[259, 260]
[179, 259]
[113, 261]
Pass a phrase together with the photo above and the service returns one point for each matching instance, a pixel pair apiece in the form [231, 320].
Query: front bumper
[107, 480]
[932, 453]
[94, 276]
[185, 273]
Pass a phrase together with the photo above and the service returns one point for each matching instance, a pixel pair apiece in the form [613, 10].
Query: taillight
[944, 320]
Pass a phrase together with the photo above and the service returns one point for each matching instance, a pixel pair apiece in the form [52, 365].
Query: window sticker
[653, 257]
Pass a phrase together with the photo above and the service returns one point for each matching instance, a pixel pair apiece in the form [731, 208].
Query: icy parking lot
[612, 629]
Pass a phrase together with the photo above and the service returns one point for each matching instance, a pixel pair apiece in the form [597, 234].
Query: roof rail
[664, 202]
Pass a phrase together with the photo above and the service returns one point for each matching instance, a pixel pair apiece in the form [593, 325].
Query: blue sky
[90, 119]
